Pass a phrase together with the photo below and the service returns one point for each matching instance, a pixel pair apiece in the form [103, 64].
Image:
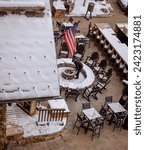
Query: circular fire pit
[68, 73]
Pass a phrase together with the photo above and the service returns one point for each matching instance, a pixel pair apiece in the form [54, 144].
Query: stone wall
[12, 140]
[3, 127]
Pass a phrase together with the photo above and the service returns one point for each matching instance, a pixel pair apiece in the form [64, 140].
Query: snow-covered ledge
[17, 118]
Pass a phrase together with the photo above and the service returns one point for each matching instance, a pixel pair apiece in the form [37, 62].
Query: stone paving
[108, 140]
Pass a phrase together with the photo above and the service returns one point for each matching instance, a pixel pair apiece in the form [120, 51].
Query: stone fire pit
[68, 73]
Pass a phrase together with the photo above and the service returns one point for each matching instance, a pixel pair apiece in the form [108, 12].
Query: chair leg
[78, 130]
[75, 124]
[95, 96]
[94, 133]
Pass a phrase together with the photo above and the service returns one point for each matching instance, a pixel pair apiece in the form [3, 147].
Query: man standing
[78, 67]
[90, 10]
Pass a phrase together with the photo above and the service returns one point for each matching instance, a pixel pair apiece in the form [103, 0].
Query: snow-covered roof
[27, 58]
[21, 4]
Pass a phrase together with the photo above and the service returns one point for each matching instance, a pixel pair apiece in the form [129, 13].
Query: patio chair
[125, 73]
[106, 48]
[71, 20]
[108, 99]
[92, 60]
[64, 52]
[59, 26]
[124, 101]
[86, 105]
[100, 66]
[118, 121]
[97, 37]
[102, 43]
[120, 68]
[105, 76]
[90, 92]
[104, 111]
[117, 62]
[72, 93]
[79, 54]
[57, 36]
[95, 127]
[113, 57]
[81, 122]
[100, 86]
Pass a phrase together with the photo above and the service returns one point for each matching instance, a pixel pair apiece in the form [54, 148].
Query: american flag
[69, 37]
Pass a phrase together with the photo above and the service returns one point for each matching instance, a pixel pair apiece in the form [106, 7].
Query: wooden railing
[47, 115]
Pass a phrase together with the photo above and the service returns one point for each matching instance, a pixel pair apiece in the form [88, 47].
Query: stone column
[2, 126]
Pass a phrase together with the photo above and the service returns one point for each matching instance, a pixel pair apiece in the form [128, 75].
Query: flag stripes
[70, 41]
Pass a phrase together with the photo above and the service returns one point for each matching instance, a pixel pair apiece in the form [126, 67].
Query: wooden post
[3, 143]
[84, 3]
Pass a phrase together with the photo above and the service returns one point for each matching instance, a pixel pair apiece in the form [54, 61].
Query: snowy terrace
[21, 123]
[28, 67]
[102, 8]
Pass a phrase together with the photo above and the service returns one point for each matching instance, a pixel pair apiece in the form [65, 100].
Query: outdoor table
[67, 25]
[80, 38]
[110, 36]
[91, 114]
[116, 107]
[59, 103]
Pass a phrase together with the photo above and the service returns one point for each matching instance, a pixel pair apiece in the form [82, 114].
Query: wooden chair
[100, 86]
[71, 20]
[102, 43]
[105, 76]
[100, 66]
[86, 105]
[64, 52]
[104, 111]
[79, 54]
[120, 68]
[59, 26]
[118, 120]
[81, 122]
[90, 92]
[117, 62]
[72, 93]
[92, 60]
[95, 127]
[113, 57]
[109, 52]
[108, 99]
[97, 37]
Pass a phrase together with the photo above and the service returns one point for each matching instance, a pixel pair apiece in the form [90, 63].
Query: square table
[116, 107]
[91, 113]
[67, 25]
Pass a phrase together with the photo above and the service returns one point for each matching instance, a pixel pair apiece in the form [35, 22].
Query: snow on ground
[28, 122]
[80, 10]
